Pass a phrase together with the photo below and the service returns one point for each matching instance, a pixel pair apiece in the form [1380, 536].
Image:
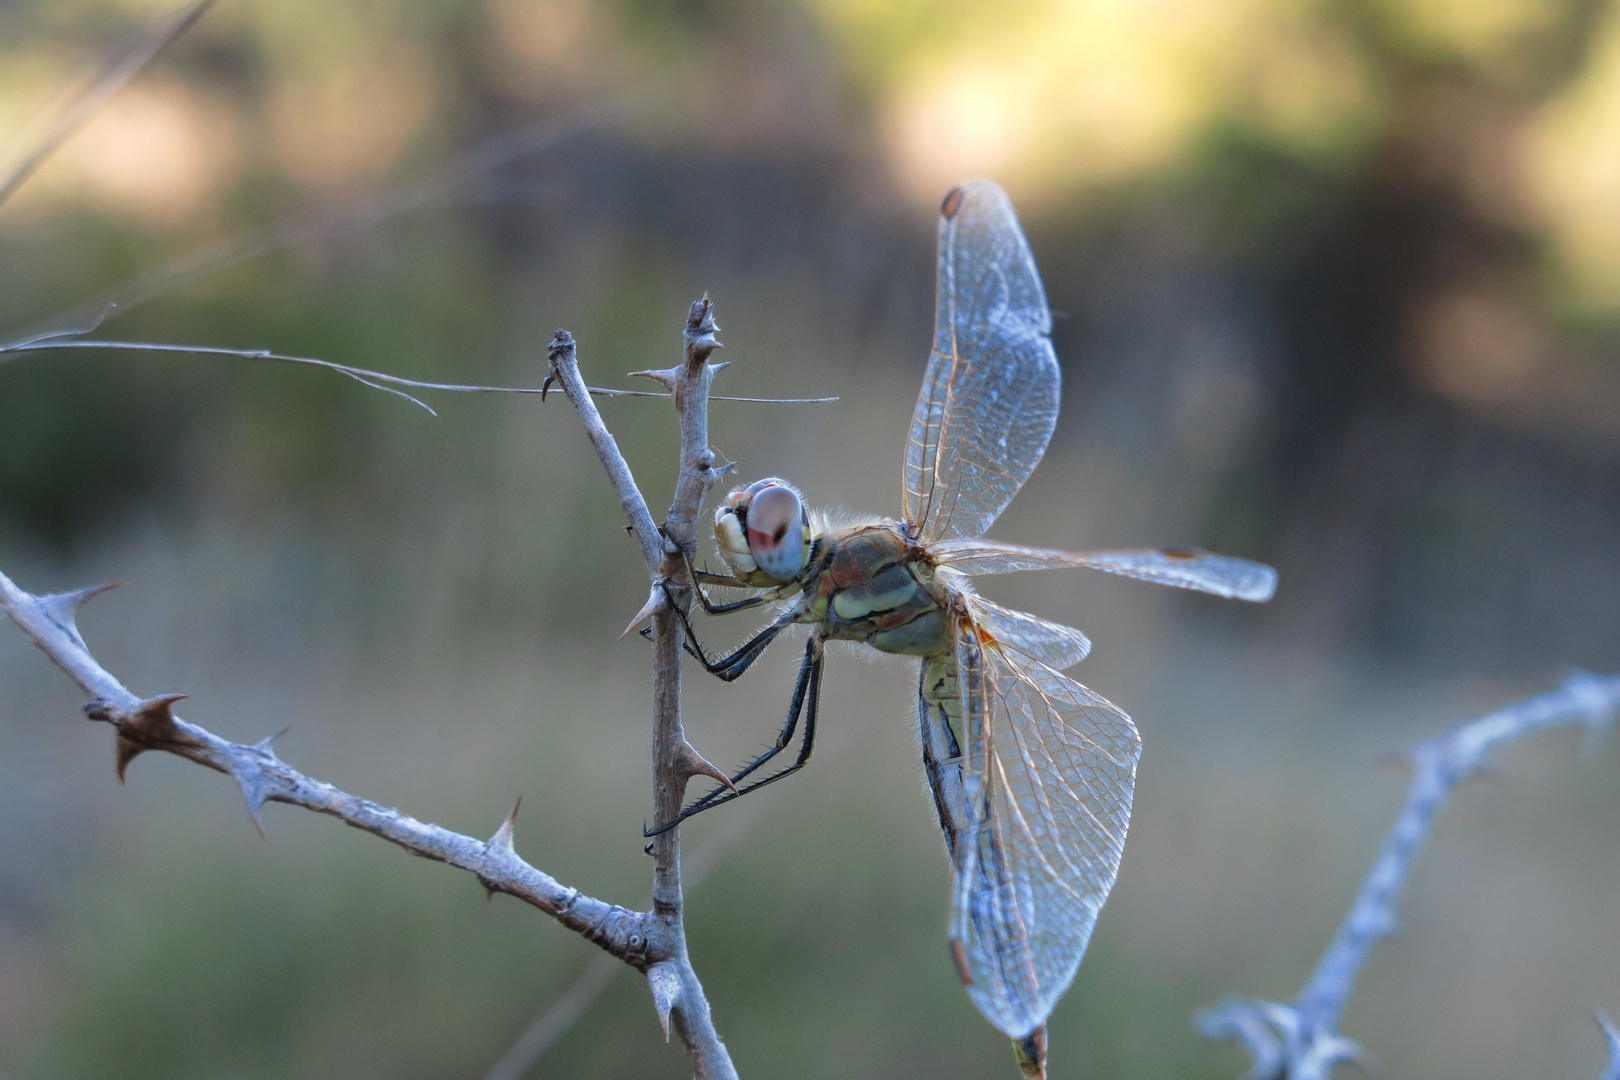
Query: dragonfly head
[764, 531]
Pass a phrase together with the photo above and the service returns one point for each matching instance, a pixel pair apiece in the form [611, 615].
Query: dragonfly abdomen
[939, 719]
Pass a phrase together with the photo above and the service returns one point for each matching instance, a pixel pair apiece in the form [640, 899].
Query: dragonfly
[1032, 774]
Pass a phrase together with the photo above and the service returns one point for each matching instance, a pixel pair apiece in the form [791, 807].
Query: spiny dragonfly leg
[700, 578]
[806, 701]
[731, 666]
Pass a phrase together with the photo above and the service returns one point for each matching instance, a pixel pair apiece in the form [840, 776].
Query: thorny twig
[1301, 1040]
[653, 941]
[677, 993]
[566, 1011]
[150, 724]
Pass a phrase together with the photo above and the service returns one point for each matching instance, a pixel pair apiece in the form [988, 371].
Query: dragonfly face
[763, 532]
[1032, 774]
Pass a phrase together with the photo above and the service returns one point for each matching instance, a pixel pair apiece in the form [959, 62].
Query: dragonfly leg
[731, 666]
[699, 578]
[806, 701]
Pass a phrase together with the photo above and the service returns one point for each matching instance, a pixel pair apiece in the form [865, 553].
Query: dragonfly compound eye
[778, 531]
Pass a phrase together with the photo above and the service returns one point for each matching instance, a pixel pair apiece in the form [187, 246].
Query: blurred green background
[1337, 285]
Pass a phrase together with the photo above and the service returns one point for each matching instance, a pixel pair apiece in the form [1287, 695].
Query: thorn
[655, 603]
[693, 763]
[149, 725]
[255, 789]
[61, 607]
[127, 752]
[667, 376]
[666, 992]
[545, 387]
[158, 710]
[267, 744]
[502, 840]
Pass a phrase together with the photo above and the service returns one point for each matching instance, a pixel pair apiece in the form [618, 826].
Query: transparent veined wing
[989, 398]
[1185, 568]
[1035, 799]
[1053, 644]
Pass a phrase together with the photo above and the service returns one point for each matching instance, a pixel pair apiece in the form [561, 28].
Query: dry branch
[560, 1017]
[150, 724]
[677, 993]
[653, 941]
[1301, 1040]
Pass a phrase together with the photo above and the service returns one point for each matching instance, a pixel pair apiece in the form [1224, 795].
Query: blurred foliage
[1336, 285]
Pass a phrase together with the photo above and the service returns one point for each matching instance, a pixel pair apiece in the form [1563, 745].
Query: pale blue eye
[776, 531]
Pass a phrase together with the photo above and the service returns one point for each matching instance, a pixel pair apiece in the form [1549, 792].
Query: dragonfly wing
[989, 398]
[1185, 568]
[1053, 644]
[1035, 806]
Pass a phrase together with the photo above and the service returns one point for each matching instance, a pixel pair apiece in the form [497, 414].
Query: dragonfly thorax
[878, 587]
[763, 531]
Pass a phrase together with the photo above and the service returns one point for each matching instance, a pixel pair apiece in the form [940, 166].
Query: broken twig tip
[562, 346]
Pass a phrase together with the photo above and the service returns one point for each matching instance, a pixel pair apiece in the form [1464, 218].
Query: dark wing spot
[1180, 554]
[952, 203]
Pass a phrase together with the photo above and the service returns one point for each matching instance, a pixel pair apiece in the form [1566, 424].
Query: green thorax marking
[876, 586]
